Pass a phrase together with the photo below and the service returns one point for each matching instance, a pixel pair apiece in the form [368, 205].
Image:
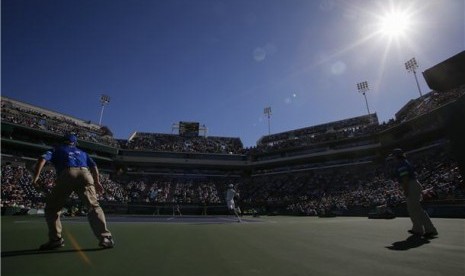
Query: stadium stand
[338, 167]
[304, 193]
[177, 143]
[19, 113]
[428, 103]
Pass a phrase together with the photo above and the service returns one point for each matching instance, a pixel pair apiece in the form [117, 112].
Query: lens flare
[78, 248]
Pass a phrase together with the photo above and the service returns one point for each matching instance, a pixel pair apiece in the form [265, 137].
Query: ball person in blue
[76, 171]
[412, 188]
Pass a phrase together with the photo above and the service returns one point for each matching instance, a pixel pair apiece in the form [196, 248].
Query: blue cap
[71, 138]
[398, 153]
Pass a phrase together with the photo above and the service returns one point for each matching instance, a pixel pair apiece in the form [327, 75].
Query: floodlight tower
[363, 88]
[104, 100]
[411, 65]
[267, 111]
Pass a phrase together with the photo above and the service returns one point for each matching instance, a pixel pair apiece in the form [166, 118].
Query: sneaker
[414, 233]
[52, 244]
[430, 235]
[107, 242]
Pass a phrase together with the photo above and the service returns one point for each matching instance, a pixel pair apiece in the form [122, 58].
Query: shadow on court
[411, 242]
[39, 252]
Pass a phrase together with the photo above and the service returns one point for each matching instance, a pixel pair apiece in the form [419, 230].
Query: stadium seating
[338, 183]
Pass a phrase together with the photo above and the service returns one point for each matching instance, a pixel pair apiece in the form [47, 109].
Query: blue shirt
[403, 169]
[68, 156]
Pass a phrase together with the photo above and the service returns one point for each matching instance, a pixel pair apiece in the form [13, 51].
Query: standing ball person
[406, 176]
[76, 171]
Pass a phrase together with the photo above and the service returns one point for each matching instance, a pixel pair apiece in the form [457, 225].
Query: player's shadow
[39, 252]
[413, 241]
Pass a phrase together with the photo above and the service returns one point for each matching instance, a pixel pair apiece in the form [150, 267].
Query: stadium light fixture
[104, 100]
[362, 87]
[411, 65]
[267, 111]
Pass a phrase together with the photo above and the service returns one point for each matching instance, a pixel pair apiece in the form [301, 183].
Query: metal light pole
[411, 66]
[267, 111]
[363, 88]
[104, 100]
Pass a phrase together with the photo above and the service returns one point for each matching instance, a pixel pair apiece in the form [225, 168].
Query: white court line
[228, 219]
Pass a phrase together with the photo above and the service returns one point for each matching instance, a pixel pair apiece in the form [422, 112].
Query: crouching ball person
[422, 225]
[76, 171]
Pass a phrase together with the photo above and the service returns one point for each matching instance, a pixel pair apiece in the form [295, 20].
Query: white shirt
[230, 194]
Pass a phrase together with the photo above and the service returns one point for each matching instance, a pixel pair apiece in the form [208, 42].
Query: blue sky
[221, 63]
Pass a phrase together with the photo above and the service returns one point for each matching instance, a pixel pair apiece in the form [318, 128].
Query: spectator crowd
[187, 144]
[305, 192]
[15, 113]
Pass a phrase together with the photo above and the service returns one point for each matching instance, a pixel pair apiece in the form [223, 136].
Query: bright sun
[394, 24]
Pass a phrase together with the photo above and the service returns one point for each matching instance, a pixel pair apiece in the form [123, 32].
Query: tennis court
[218, 245]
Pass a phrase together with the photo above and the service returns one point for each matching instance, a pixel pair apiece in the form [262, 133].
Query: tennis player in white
[230, 194]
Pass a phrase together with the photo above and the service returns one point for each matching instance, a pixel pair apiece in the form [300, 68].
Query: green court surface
[219, 246]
